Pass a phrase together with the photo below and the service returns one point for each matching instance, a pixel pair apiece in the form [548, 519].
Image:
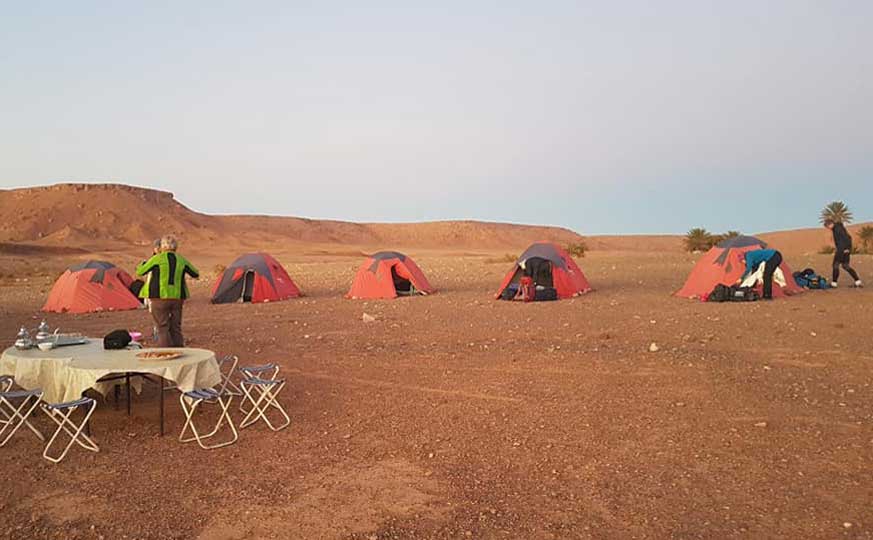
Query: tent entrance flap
[402, 285]
[248, 286]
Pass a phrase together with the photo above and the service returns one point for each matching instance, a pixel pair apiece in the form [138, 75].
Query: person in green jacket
[166, 290]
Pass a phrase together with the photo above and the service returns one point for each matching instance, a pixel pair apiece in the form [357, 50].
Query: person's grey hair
[157, 244]
[169, 243]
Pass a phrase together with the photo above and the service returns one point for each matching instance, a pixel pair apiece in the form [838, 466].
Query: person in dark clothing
[771, 259]
[842, 252]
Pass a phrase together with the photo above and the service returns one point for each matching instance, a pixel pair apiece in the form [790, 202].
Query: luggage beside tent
[255, 278]
[554, 273]
[389, 274]
[92, 286]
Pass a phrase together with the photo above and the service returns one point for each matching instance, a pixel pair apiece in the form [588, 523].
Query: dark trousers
[168, 318]
[769, 269]
[842, 259]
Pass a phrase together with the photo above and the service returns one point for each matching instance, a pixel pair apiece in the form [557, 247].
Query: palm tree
[731, 234]
[866, 236]
[698, 239]
[837, 212]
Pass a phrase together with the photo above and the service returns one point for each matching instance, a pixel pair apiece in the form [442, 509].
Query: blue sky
[605, 117]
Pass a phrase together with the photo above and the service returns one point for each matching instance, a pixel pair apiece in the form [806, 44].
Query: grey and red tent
[91, 286]
[389, 274]
[254, 277]
[725, 263]
[550, 266]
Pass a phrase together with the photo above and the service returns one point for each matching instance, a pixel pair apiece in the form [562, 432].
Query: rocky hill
[101, 216]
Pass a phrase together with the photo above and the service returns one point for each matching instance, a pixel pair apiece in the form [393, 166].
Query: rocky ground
[457, 416]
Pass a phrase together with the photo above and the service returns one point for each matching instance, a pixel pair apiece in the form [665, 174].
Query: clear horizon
[619, 119]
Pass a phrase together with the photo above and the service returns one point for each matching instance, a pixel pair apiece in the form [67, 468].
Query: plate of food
[159, 355]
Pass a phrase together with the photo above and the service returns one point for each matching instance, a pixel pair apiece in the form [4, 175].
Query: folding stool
[191, 400]
[60, 413]
[262, 395]
[227, 384]
[267, 372]
[13, 417]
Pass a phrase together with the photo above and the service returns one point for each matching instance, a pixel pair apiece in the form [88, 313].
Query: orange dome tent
[721, 265]
[550, 266]
[91, 286]
[388, 274]
[254, 277]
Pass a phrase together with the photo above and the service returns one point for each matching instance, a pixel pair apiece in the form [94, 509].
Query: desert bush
[866, 236]
[826, 250]
[577, 249]
[506, 258]
[716, 239]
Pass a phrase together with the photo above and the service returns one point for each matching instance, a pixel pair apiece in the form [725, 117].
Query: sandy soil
[456, 416]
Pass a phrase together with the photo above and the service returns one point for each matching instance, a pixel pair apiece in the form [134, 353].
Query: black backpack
[117, 339]
[721, 293]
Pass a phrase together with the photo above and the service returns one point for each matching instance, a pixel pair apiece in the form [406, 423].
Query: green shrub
[577, 249]
[698, 239]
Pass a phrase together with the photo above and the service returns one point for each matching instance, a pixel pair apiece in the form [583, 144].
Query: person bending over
[167, 290]
[771, 259]
[842, 252]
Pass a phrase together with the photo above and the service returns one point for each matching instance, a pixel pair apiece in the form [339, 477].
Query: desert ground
[458, 416]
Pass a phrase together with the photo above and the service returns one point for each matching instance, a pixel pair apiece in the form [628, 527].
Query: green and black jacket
[167, 276]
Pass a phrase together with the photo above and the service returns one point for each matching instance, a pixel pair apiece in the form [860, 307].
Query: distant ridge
[103, 216]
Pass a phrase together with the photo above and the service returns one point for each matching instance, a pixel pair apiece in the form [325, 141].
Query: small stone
[367, 318]
[654, 347]
[847, 525]
[761, 424]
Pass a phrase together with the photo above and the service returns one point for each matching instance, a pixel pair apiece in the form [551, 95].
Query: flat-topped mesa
[146, 194]
[106, 215]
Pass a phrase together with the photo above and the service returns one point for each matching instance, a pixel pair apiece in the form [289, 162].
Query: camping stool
[267, 393]
[267, 372]
[190, 401]
[12, 417]
[227, 384]
[60, 414]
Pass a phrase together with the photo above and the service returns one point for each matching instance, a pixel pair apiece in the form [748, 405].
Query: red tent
[388, 274]
[91, 286]
[721, 265]
[550, 266]
[254, 277]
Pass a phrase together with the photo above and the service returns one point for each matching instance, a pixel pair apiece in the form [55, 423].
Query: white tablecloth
[64, 373]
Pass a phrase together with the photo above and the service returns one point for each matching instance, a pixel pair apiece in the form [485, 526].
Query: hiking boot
[859, 285]
[833, 284]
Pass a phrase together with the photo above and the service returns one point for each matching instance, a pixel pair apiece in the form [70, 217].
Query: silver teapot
[23, 340]
[43, 332]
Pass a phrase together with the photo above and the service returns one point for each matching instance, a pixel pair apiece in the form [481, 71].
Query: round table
[64, 373]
